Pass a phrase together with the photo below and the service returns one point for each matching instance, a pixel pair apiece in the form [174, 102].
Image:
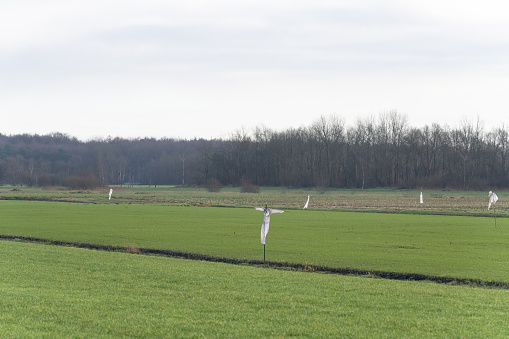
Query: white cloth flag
[420, 198]
[493, 199]
[306, 205]
[266, 220]
[111, 191]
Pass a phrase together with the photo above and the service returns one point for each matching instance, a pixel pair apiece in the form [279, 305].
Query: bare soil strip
[269, 264]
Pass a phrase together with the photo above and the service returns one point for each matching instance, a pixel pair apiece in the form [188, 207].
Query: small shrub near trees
[47, 180]
[82, 181]
[213, 185]
[248, 187]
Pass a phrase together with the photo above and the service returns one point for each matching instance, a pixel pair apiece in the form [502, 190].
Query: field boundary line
[478, 283]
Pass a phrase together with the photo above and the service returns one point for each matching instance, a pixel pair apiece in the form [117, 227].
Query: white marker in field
[111, 191]
[266, 220]
[493, 199]
[420, 198]
[306, 205]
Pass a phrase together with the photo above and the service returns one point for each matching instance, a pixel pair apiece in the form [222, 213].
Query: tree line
[378, 151]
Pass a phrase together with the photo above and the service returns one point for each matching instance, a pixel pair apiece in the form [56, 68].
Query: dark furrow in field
[270, 264]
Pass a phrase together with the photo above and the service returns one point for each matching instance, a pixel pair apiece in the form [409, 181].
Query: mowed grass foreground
[63, 292]
[444, 246]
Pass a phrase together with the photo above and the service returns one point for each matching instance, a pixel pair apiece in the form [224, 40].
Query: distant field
[382, 200]
[451, 246]
[61, 292]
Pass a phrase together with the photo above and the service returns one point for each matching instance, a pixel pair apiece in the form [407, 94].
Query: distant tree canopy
[381, 151]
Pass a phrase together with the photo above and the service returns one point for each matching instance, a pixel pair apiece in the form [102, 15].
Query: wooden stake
[264, 244]
[495, 216]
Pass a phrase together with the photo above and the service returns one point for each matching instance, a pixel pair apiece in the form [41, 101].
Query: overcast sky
[185, 69]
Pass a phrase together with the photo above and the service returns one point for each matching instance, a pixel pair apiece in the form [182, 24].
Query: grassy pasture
[446, 246]
[61, 292]
[50, 291]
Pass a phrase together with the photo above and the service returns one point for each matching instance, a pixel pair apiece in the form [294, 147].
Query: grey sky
[207, 68]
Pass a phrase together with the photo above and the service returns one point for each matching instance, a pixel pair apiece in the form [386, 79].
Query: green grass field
[460, 247]
[50, 291]
[62, 292]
